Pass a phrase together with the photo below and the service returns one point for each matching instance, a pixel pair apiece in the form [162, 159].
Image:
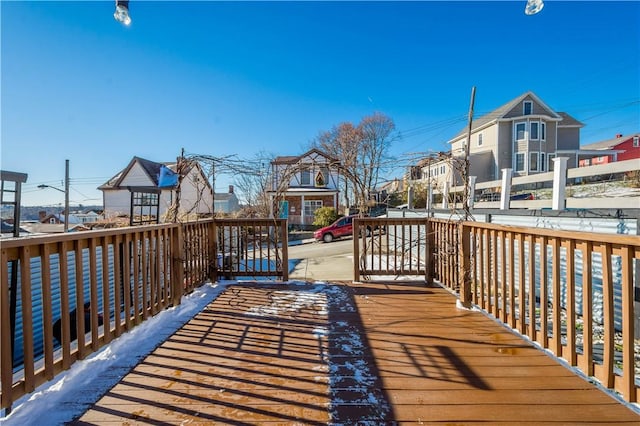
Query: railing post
[213, 251]
[464, 237]
[429, 252]
[356, 250]
[177, 264]
[285, 249]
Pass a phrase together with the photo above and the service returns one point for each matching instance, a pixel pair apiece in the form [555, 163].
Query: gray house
[525, 134]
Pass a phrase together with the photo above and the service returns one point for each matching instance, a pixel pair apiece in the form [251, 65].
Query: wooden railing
[386, 246]
[571, 292]
[63, 297]
[251, 248]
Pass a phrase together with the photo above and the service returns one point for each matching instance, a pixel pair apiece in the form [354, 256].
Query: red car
[342, 227]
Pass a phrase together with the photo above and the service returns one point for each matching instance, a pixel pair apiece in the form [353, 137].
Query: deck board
[381, 353]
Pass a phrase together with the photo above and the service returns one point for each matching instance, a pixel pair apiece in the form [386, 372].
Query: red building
[620, 148]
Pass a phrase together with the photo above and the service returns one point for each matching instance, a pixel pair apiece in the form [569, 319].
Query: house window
[520, 162]
[527, 108]
[311, 206]
[305, 177]
[145, 207]
[636, 142]
[441, 170]
[543, 131]
[521, 128]
[543, 163]
[479, 139]
[533, 161]
[534, 127]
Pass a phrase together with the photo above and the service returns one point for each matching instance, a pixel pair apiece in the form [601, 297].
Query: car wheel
[327, 238]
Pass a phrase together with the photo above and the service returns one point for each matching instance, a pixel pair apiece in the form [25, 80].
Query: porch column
[410, 197]
[472, 191]
[445, 195]
[505, 192]
[559, 201]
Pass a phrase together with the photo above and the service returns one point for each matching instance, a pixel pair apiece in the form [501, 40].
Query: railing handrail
[12, 242]
[621, 239]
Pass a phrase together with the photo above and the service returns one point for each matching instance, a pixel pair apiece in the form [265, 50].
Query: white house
[226, 202]
[149, 188]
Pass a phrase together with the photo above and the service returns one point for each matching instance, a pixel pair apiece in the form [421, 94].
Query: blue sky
[240, 78]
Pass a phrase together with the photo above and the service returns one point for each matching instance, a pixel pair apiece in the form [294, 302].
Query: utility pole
[66, 196]
[466, 156]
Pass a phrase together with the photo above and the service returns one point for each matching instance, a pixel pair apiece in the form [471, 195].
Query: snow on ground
[73, 392]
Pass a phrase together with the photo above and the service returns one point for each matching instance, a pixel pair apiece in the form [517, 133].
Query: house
[226, 202]
[51, 227]
[302, 184]
[57, 218]
[75, 218]
[149, 191]
[525, 134]
[619, 148]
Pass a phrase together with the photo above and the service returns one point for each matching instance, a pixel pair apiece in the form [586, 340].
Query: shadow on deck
[345, 354]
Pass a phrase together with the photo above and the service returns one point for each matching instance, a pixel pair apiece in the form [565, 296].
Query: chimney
[619, 135]
[230, 189]
[41, 215]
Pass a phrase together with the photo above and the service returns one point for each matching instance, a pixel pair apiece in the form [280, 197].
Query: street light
[533, 7]
[66, 194]
[122, 12]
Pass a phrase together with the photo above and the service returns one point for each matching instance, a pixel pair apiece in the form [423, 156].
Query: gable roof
[152, 169]
[609, 143]
[568, 121]
[500, 113]
[224, 196]
[292, 159]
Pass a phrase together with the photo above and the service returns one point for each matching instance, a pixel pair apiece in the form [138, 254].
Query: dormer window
[527, 108]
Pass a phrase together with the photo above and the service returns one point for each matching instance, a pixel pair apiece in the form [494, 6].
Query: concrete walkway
[333, 268]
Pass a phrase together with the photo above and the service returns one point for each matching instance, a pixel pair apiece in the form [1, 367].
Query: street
[323, 261]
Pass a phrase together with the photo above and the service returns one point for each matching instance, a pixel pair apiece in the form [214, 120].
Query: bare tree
[341, 142]
[378, 132]
[253, 184]
[363, 152]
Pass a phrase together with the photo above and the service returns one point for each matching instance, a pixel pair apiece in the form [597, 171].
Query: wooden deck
[379, 354]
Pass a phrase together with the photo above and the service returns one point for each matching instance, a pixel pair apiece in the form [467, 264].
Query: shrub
[325, 216]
